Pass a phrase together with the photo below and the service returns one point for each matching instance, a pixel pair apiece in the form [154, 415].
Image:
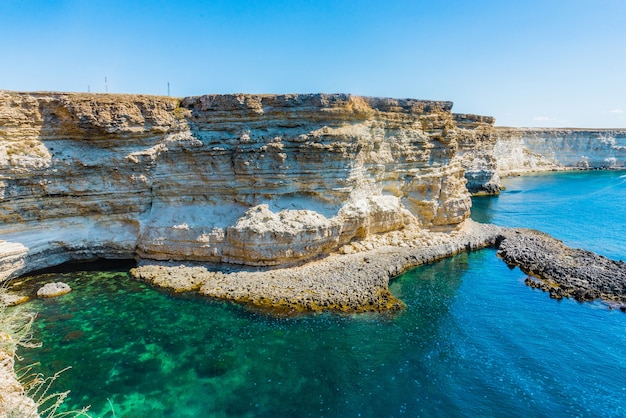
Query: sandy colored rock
[490, 153]
[13, 401]
[355, 280]
[12, 299]
[523, 150]
[254, 180]
[52, 290]
[477, 138]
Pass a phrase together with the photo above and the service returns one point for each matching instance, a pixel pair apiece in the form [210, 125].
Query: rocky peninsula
[354, 280]
[562, 271]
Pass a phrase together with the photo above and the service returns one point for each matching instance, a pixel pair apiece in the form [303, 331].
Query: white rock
[51, 290]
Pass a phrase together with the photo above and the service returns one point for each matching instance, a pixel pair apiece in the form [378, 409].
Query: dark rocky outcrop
[564, 271]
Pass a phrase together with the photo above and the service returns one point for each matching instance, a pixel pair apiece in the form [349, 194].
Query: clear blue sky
[526, 62]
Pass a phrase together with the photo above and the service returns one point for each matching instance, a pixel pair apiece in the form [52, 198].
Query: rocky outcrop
[258, 180]
[13, 399]
[477, 139]
[354, 280]
[358, 279]
[563, 271]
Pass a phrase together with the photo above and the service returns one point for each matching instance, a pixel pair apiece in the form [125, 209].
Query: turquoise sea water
[473, 341]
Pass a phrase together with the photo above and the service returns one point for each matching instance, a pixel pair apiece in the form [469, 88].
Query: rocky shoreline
[563, 271]
[356, 279]
[347, 282]
[358, 282]
[288, 203]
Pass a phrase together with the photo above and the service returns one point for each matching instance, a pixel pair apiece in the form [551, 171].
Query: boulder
[51, 290]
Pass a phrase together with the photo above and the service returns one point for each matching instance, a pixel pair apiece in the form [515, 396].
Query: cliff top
[239, 101]
[556, 130]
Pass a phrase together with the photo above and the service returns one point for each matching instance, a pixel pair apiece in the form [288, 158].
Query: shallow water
[473, 341]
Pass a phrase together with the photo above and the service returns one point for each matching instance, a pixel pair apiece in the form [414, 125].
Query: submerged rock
[51, 290]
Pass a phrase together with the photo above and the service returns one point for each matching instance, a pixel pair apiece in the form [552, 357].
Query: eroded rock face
[67, 187]
[244, 179]
[489, 153]
[477, 139]
[521, 150]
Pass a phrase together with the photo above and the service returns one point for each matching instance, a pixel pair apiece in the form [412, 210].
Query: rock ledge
[348, 282]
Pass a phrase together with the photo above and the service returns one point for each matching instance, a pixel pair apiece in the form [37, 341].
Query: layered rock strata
[477, 139]
[522, 150]
[490, 153]
[362, 188]
[257, 180]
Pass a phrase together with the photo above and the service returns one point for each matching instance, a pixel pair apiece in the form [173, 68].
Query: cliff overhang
[249, 180]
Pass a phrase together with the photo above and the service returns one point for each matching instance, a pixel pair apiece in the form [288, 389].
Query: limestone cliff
[244, 179]
[477, 138]
[489, 153]
[520, 150]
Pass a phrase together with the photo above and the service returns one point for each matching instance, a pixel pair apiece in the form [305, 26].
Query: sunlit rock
[52, 290]
[259, 180]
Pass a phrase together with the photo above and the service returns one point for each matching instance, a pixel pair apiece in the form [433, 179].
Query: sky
[528, 63]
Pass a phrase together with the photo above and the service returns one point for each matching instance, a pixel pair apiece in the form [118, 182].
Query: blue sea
[474, 340]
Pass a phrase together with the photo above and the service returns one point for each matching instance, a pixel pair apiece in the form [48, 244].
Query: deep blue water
[584, 209]
[473, 341]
